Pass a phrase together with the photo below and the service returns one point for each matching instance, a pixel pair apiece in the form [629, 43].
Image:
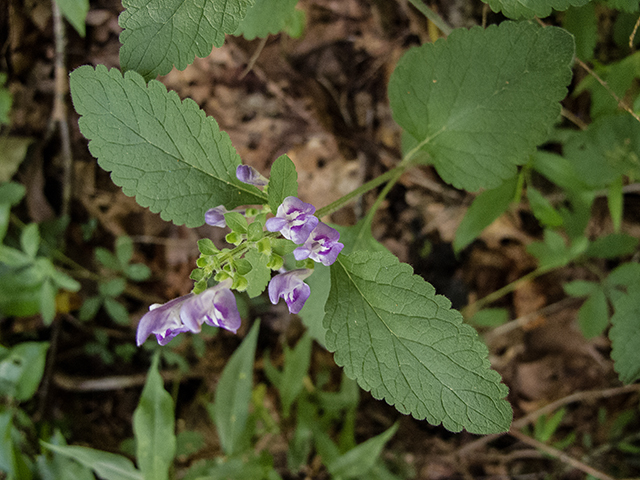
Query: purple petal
[299, 233]
[293, 205]
[291, 287]
[215, 216]
[301, 253]
[322, 245]
[275, 224]
[161, 320]
[225, 312]
[250, 175]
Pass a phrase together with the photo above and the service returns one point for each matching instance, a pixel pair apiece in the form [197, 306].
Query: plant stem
[433, 16]
[492, 297]
[370, 185]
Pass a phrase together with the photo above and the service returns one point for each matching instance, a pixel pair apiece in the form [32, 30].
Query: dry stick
[60, 106]
[254, 58]
[530, 417]
[559, 454]
[621, 103]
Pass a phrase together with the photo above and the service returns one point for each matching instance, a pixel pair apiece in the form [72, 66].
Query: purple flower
[291, 287]
[250, 175]
[295, 220]
[215, 216]
[321, 246]
[215, 306]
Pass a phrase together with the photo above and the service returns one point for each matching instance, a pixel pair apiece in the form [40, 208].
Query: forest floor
[322, 100]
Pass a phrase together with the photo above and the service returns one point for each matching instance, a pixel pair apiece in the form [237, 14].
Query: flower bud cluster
[216, 306]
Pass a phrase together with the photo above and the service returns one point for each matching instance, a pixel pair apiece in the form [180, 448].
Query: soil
[322, 100]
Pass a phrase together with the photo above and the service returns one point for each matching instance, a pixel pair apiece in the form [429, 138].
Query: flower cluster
[296, 221]
[215, 306]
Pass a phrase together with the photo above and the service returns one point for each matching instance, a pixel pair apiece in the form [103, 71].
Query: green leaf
[12, 193]
[59, 467]
[13, 151]
[624, 5]
[106, 258]
[542, 209]
[75, 11]
[30, 240]
[400, 340]
[48, 301]
[5, 101]
[90, 308]
[490, 317]
[189, 442]
[124, 250]
[166, 152]
[613, 245]
[236, 222]
[580, 288]
[116, 311]
[283, 181]
[296, 367]
[159, 35]
[558, 170]
[615, 201]
[153, 427]
[266, 17]
[8, 452]
[610, 147]
[486, 208]
[359, 460]
[626, 275]
[625, 335]
[518, 9]
[112, 288]
[207, 247]
[137, 272]
[582, 23]
[21, 370]
[553, 252]
[312, 314]
[480, 101]
[233, 393]
[259, 275]
[593, 316]
[107, 466]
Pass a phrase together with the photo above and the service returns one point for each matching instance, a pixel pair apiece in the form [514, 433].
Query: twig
[621, 103]
[632, 37]
[524, 320]
[573, 118]
[60, 106]
[530, 417]
[116, 382]
[48, 373]
[433, 16]
[254, 58]
[559, 454]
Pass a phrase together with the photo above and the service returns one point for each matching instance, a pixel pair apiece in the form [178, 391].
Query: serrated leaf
[625, 275]
[75, 11]
[625, 335]
[283, 181]
[166, 152]
[480, 101]
[153, 427]
[233, 393]
[108, 466]
[236, 222]
[486, 208]
[158, 35]
[518, 9]
[266, 17]
[593, 316]
[259, 275]
[404, 343]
